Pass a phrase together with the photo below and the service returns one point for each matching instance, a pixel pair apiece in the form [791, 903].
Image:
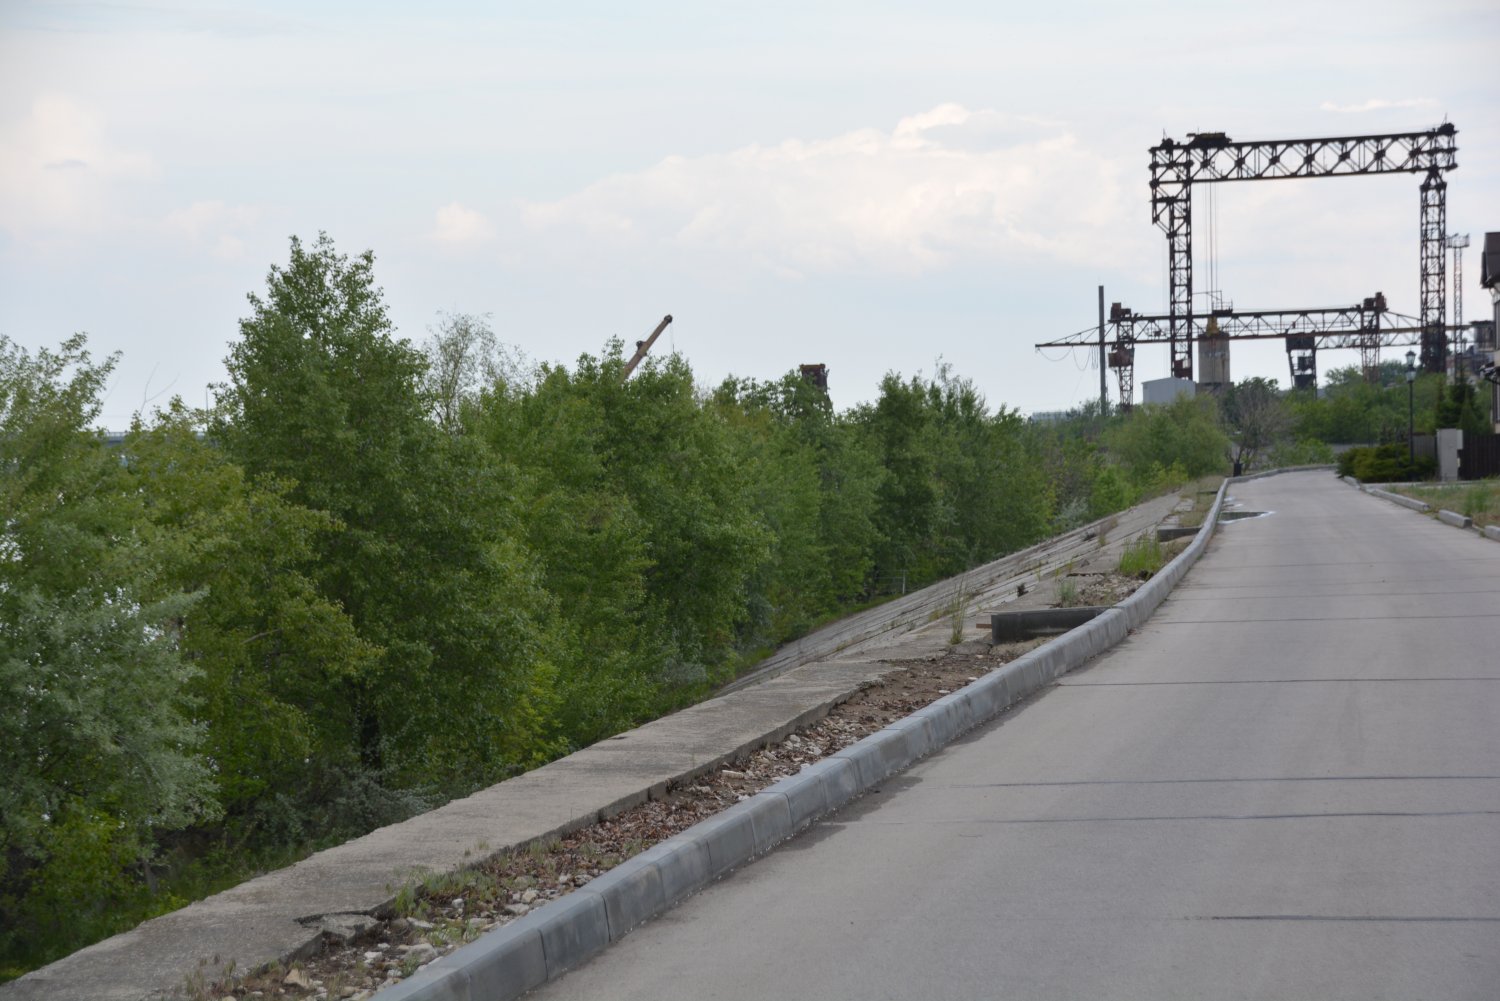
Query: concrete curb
[1284, 469]
[567, 932]
[1492, 532]
[1455, 519]
[1394, 498]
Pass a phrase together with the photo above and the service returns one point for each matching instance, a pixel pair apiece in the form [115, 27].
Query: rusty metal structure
[1368, 325]
[1211, 158]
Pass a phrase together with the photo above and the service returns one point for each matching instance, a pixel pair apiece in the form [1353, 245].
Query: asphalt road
[1286, 785]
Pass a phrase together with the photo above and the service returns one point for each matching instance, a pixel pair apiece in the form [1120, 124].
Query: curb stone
[1455, 519]
[561, 935]
[1401, 499]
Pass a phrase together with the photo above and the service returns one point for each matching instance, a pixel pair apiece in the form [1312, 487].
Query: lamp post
[1411, 381]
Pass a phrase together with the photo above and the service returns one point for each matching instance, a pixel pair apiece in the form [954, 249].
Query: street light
[1411, 381]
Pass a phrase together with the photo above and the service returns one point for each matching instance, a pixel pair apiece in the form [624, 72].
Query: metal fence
[1480, 457]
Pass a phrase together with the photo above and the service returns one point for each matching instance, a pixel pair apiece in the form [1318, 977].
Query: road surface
[1286, 785]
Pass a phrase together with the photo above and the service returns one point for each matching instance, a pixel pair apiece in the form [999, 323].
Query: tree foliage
[373, 576]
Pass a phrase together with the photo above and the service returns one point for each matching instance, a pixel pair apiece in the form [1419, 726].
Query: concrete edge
[1492, 532]
[563, 934]
[1395, 498]
[1284, 469]
[1455, 519]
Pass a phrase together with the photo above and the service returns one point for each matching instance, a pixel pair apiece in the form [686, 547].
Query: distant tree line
[375, 576]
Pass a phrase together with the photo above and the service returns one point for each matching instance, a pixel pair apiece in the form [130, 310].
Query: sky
[879, 187]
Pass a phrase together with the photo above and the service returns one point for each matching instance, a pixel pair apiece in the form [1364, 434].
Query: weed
[1143, 557]
[1477, 499]
[1067, 594]
[958, 605]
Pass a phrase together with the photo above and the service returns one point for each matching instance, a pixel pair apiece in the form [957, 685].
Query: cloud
[1377, 104]
[945, 186]
[215, 224]
[457, 225]
[59, 171]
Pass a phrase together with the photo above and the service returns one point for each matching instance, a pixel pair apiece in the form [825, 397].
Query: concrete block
[949, 717]
[729, 838]
[504, 963]
[574, 929]
[878, 755]
[806, 796]
[1455, 519]
[1492, 532]
[991, 693]
[436, 982]
[632, 893]
[682, 864]
[1394, 498]
[772, 820]
[840, 778]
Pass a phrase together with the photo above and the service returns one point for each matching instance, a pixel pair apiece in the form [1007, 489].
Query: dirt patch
[437, 915]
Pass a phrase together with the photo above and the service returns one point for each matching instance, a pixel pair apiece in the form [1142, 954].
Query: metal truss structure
[1211, 157]
[1367, 325]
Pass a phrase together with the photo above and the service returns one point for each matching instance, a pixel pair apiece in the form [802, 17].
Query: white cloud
[59, 171]
[458, 225]
[1377, 104]
[944, 186]
[214, 224]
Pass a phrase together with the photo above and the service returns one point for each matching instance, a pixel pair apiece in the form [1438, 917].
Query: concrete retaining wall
[569, 931]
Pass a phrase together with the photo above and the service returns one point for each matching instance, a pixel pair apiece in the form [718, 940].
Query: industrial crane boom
[641, 347]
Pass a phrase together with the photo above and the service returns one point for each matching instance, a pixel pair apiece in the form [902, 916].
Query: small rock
[529, 897]
[348, 992]
[297, 978]
[399, 925]
[581, 878]
[423, 925]
[517, 909]
[476, 922]
[422, 951]
[371, 957]
[730, 773]
[458, 903]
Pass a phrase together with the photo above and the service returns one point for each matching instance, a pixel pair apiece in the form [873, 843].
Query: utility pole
[1457, 242]
[1103, 363]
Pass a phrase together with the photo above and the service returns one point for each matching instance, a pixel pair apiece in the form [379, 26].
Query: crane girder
[1211, 157]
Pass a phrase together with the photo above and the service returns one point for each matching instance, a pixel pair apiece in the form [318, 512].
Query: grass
[1202, 491]
[1067, 594]
[958, 606]
[1143, 557]
[1479, 500]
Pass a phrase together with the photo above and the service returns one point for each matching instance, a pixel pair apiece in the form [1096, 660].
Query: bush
[1384, 464]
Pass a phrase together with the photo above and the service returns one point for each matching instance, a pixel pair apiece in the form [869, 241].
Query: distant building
[1049, 416]
[1489, 277]
[1167, 390]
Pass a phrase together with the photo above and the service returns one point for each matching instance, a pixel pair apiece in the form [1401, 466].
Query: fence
[1480, 457]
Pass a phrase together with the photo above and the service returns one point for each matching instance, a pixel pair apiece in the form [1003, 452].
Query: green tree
[324, 397]
[1257, 418]
[98, 737]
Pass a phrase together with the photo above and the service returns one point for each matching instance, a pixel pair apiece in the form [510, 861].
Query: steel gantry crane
[1368, 325]
[1212, 157]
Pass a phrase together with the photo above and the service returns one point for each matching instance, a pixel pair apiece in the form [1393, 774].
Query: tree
[98, 737]
[464, 358]
[428, 564]
[1257, 418]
